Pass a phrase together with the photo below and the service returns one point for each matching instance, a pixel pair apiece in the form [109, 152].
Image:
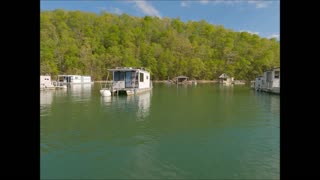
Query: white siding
[76, 79]
[269, 81]
[45, 80]
[276, 81]
[85, 79]
[118, 84]
[146, 80]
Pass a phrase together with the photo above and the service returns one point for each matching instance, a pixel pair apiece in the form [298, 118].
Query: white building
[85, 79]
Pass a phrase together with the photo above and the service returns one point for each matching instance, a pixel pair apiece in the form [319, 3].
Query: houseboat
[47, 84]
[269, 82]
[74, 79]
[128, 81]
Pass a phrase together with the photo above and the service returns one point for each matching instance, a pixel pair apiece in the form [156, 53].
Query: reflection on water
[140, 103]
[106, 100]
[144, 105]
[61, 92]
[275, 104]
[271, 102]
[80, 91]
[46, 97]
[226, 89]
[208, 132]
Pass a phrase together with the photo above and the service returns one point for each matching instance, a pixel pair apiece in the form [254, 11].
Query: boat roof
[180, 77]
[68, 75]
[128, 69]
[74, 75]
[224, 75]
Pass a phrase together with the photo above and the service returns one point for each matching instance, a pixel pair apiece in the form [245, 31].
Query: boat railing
[57, 83]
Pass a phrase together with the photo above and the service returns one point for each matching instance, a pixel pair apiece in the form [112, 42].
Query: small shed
[181, 79]
[225, 79]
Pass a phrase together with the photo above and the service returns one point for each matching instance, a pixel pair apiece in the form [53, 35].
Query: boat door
[68, 79]
[128, 79]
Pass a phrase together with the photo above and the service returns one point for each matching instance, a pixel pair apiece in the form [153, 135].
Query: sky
[261, 17]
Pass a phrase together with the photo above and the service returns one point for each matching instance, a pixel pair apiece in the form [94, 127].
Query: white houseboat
[74, 79]
[269, 82]
[45, 83]
[128, 81]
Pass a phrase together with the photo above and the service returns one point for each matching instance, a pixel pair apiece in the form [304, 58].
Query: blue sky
[261, 17]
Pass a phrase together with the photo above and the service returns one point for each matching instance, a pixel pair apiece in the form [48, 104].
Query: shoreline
[198, 81]
[166, 81]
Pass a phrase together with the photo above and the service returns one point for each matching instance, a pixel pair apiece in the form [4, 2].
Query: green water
[208, 131]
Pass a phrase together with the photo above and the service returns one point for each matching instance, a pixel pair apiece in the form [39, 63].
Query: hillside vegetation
[75, 42]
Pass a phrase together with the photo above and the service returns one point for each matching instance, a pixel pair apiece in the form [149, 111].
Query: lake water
[207, 131]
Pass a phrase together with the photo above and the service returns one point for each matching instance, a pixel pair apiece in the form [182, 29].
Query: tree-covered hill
[75, 42]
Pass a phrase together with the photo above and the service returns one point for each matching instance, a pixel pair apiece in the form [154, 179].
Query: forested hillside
[75, 42]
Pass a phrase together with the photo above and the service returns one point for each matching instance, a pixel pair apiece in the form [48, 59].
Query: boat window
[119, 76]
[122, 74]
[147, 77]
[277, 74]
[141, 77]
[269, 76]
[116, 76]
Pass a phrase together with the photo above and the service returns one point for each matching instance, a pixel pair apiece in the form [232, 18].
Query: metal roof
[69, 75]
[127, 69]
[224, 75]
[181, 77]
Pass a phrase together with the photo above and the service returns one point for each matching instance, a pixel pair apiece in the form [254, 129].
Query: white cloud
[184, 4]
[250, 32]
[204, 1]
[232, 2]
[117, 11]
[274, 36]
[260, 4]
[147, 8]
[257, 3]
